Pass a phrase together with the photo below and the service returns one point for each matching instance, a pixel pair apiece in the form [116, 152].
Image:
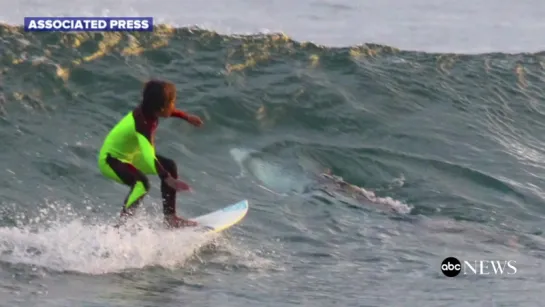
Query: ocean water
[432, 108]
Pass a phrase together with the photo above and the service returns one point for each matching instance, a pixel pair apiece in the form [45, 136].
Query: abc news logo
[452, 267]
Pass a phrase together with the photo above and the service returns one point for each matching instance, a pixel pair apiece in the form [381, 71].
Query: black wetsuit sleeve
[144, 131]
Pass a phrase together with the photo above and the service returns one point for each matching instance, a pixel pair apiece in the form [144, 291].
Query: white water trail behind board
[98, 248]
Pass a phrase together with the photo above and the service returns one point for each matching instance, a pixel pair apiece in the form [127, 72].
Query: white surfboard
[221, 219]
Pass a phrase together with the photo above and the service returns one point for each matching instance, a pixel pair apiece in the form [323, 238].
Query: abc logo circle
[451, 267]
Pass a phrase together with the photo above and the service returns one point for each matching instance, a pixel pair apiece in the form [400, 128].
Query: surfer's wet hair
[156, 95]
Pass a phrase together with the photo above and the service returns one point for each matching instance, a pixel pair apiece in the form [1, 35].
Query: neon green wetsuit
[128, 154]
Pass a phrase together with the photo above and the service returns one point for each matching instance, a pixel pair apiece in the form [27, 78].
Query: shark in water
[285, 179]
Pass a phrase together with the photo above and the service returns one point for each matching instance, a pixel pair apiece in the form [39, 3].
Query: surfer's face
[167, 110]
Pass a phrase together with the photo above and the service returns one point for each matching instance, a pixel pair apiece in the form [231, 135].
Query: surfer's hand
[194, 120]
[178, 185]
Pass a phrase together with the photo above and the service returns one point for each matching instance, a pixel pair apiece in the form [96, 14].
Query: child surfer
[128, 152]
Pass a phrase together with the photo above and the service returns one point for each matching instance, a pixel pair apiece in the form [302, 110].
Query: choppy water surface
[453, 142]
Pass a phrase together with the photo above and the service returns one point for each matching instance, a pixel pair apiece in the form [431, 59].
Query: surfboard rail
[221, 219]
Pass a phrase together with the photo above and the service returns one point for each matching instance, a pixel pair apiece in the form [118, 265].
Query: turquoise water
[454, 140]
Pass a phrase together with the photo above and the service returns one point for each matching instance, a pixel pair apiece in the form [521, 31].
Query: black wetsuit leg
[130, 176]
[168, 194]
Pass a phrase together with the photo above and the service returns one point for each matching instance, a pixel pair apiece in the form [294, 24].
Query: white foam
[97, 248]
[393, 204]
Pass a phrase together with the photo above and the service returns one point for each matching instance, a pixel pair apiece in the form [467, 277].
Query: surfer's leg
[134, 178]
[168, 194]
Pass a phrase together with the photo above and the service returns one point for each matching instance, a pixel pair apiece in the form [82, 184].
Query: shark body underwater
[288, 179]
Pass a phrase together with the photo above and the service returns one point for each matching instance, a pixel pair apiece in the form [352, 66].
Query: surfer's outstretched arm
[192, 119]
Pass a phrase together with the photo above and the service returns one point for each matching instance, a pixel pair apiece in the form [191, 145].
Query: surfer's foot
[124, 215]
[178, 222]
